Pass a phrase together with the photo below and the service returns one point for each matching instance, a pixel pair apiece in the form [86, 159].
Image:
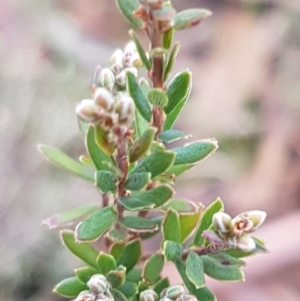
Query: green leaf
[116, 250]
[171, 61]
[216, 270]
[84, 251]
[202, 293]
[84, 274]
[117, 277]
[172, 251]
[99, 157]
[135, 275]
[117, 235]
[178, 170]
[226, 259]
[168, 38]
[180, 206]
[131, 254]
[137, 95]
[170, 136]
[129, 289]
[138, 224]
[137, 181]
[206, 220]
[93, 227]
[189, 221]
[140, 50]
[156, 163]
[195, 152]
[157, 220]
[106, 263]
[160, 285]
[142, 145]
[157, 97]
[61, 159]
[70, 287]
[195, 270]
[189, 18]
[106, 181]
[102, 141]
[178, 89]
[68, 217]
[118, 296]
[127, 8]
[171, 226]
[153, 267]
[152, 198]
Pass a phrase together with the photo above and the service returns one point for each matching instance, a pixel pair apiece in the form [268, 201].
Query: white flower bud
[257, 217]
[121, 77]
[117, 61]
[85, 296]
[106, 79]
[104, 99]
[213, 236]
[244, 243]
[129, 49]
[221, 222]
[186, 297]
[134, 61]
[87, 111]
[98, 284]
[148, 295]
[104, 297]
[125, 108]
[173, 292]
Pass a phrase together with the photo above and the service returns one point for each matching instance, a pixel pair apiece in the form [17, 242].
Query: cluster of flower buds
[99, 290]
[172, 293]
[235, 231]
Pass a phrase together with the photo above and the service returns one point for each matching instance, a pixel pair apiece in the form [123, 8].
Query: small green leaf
[135, 204]
[106, 263]
[137, 95]
[206, 220]
[156, 163]
[178, 170]
[158, 97]
[117, 277]
[140, 50]
[61, 159]
[171, 61]
[172, 251]
[202, 293]
[170, 136]
[131, 254]
[226, 259]
[116, 250]
[152, 268]
[106, 181]
[127, 8]
[189, 221]
[171, 226]
[129, 289]
[84, 251]
[168, 38]
[218, 271]
[70, 216]
[93, 227]
[84, 274]
[141, 145]
[195, 152]
[135, 275]
[180, 206]
[117, 235]
[118, 296]
[138, 224]
[195, 270]
[189, 18]
[101, 139]
[178, 89]
[157, 220]
[160, 285]
[70, 287]
[137, 181]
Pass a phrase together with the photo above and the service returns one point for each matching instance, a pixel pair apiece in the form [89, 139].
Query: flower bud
[85, 296]
[148, 295]
[173, 292]
[104, 297]
[125, 109]
[134, 61]
[221, 222]
[244, 243]
[121, 77]
[257, 217]
[129, 49]
[117, 61]
[164, 298]
[239, 225]
[98, 284]
[186, 297]
[106, 79]
[104, 99]
[86, 110]
[213, 236]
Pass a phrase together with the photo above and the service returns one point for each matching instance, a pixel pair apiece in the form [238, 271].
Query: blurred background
[245, 61]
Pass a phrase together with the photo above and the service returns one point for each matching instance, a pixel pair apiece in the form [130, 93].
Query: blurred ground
[246, 68]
